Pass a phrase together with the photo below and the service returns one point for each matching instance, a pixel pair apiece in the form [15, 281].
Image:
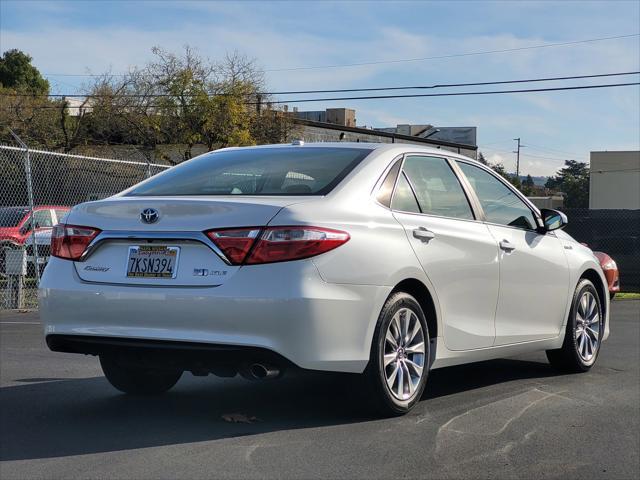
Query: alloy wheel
[404, 354]
[587, 332]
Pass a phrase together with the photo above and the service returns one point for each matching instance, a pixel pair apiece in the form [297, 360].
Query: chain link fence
[37, 188]
[614, 232]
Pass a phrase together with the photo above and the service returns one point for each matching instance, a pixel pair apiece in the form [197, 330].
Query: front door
[458, 253]
[534, 274]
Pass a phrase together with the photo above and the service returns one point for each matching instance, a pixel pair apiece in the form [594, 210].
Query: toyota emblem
[149, 215]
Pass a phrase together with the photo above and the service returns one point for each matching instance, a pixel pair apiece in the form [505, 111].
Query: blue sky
[79, 37]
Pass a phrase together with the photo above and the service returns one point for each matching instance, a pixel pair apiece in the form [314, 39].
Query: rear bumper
[200, 358]
[283, 308]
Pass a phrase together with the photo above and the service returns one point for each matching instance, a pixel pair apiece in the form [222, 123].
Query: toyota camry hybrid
[381, 260]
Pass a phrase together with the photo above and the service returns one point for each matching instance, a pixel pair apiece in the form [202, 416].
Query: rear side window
[386, 189]
[261, 171]
[403, 198]
[436, 187]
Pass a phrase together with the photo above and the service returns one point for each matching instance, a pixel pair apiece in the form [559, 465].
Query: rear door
[534, 275]
[456, 251]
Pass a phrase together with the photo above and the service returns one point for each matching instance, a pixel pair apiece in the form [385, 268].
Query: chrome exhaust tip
[260, 371]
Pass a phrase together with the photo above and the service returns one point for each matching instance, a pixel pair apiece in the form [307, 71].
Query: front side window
[500, 204]
[258, 171]
[436, 187]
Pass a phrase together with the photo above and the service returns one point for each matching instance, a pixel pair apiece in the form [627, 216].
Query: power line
[346, 90]
[456, 94]
[382, 62]
[560, 159]
[452, 55]
[380, 97]
[548, 149]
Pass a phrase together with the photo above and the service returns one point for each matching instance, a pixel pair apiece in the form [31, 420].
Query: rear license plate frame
[135, 250]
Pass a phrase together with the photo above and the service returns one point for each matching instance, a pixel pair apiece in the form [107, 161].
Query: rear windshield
[10, 217]
[263, 171]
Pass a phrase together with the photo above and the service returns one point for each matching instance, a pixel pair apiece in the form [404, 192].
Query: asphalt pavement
[512, 418]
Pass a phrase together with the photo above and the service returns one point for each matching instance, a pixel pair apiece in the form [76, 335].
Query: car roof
[378, 147]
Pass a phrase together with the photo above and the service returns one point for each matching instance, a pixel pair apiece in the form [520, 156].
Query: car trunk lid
[176, 233]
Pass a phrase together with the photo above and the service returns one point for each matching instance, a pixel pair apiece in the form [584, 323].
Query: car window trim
[474, 213]
[525, 200]
[475, 210]
[472, 198]
[383, 177]
[474, 201]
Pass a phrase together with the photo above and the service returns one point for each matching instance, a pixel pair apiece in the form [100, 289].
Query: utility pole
[518, 156]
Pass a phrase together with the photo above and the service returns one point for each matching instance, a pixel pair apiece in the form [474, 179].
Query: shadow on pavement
[81, 416]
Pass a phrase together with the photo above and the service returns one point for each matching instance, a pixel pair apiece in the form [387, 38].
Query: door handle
[507, 246]
[423, 234]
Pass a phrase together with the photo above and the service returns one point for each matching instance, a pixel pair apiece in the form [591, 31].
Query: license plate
[153, 261]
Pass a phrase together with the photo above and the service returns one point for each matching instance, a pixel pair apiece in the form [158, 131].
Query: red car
[610, 270]
[15, 228]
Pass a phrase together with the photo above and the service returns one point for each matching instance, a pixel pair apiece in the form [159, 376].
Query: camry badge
[149, 215]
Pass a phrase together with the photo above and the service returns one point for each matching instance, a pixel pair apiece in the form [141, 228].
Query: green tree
[17, 73]
[528, 186]
[573, 180]
[481, 159]
[186, 100]
[529, 182]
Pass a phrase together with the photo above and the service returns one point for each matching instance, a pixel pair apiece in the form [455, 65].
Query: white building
[615, 180]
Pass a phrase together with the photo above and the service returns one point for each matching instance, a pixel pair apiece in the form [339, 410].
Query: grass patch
[627, 296]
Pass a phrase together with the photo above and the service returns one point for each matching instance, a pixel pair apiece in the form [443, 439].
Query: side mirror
[553, 219]
[24, 229]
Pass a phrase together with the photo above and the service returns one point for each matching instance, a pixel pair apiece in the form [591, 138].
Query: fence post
[27, 170]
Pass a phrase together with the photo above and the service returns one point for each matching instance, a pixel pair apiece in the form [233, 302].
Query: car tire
[583, 337]
[137, 380]
[399, 362]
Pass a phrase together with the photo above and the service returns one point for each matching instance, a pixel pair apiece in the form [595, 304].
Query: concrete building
[465, 135]
[341, 116]
[615, 180]
[336, 116]
[339, 124]
[550, 201]
[311, 131]
[79, 106]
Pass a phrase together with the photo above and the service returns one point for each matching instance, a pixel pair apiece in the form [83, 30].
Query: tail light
[234, 243]
[277, 244]
[70, 241]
